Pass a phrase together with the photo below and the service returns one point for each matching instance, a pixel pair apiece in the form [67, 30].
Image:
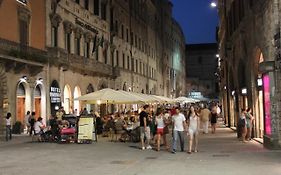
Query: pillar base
[271, 143]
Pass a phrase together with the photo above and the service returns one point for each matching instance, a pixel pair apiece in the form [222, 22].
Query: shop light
[259, 82]
[23, 78]
[233, 93]
[224, 87]
[244, 91]
[98, 102]
[217, 55]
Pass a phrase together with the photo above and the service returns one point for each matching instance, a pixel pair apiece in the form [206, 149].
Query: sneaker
[148, 147]
[143, 148]
[174, 151]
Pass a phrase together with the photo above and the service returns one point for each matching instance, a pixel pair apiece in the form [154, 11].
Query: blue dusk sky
[197, 19]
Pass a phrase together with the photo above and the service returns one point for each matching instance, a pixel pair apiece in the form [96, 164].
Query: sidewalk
[219, 153]
[16, 140]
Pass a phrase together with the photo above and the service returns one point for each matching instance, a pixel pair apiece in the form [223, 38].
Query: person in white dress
[193, 129]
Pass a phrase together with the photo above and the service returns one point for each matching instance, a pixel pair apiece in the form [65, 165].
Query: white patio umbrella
[186, 100]
[108, 96]
[163, 99]
[146, 98]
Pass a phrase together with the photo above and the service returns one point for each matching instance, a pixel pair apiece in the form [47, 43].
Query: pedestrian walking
[8, 127]
[205, 115]
[168, 121]
[179, 126]
[31, 121]
[26, 121]
[214, 116]
[159, 122]
[144, 128]
[193, 129]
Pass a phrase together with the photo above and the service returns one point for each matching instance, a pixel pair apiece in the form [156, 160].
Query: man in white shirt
[38, 128]
[179, 126]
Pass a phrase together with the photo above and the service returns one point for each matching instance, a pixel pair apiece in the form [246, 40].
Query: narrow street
[219, 153]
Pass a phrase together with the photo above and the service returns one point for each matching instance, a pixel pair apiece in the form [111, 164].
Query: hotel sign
[86, 26]
[24, 2]
[55, 95]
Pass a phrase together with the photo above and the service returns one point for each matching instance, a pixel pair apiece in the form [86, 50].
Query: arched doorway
[90, 89]
[77, 105]
[40, 100]
[21, 102]
[67, 99]
[37, 101]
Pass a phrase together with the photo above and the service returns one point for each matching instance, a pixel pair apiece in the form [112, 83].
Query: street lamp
[213, 4]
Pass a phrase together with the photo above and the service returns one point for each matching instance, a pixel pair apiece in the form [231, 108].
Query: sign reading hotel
[24, 2]
[86, 26]
[55, 95]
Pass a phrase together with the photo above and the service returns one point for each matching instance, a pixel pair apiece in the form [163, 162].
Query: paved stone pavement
[219, 154]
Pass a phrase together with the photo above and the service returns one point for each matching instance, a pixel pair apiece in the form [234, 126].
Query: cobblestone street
[220, 153]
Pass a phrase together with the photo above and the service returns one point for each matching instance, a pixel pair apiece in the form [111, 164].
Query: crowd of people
[150, 126]
[154, 126]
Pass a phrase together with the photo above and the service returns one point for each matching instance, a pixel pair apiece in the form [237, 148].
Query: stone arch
[23, 100]
[67, 98]
[76, 103]
[40, 100]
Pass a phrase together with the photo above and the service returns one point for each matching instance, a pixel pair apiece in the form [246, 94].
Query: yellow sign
[85, 129]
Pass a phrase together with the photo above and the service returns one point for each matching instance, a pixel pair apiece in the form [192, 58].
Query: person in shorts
[144, 128]
[159, 121]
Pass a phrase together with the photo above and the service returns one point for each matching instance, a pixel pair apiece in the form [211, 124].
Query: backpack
[241, 123]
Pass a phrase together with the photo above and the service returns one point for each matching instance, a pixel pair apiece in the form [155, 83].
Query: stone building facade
[62, 49]
[201, 69]
[249, 44]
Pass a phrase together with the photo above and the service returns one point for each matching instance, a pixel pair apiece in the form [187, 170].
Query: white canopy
[108, 96]
[186, 100]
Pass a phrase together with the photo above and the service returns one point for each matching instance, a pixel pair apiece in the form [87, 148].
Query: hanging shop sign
[55, 95]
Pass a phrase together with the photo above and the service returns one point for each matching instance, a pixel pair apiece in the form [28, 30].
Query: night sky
[198, 20]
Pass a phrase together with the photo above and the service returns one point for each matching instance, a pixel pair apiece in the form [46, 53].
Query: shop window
[77, 1]
[127, 35]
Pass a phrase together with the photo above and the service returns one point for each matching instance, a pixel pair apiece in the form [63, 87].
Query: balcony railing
[81, 64]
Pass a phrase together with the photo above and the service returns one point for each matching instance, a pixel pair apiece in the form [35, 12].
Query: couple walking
[182, 126]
